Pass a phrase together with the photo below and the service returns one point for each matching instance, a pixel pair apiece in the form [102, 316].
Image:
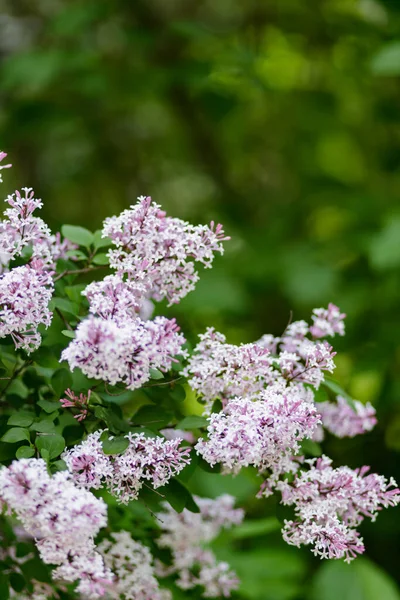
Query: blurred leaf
[15, 434]
[78, 235]
[387, 60]
[116, 445]
[193, 422]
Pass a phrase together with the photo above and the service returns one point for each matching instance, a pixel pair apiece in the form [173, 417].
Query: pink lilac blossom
[132, 566]
[25, 293]
[330, 503]
[264, 433]
[186, 534]
[220, 370]
[125, 351]
[160, 250]
[327, 322]
[2, 157]
[154, 460]
[115, 298]
[80, 402]
[344, 420]
[63, 519]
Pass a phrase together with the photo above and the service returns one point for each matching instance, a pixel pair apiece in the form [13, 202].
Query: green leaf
[178, 393]
[192, 422]
[387, 60]
[21, 418]
[99, 241]
[45, 426]
[58, 465]
[311, 448]
[25, 452]
[17, 581]
[16, 434]
[48, 406]
[334, 387]
[361, 580]
[156, 374]
[4, 588]
[100, 259]
[45, 454]
[77, 235]
[179, 496]
[255, 528]
[64, 305]
[61, 380]
[68, 333]
[116, 445]
[54, 444]
[151, 416]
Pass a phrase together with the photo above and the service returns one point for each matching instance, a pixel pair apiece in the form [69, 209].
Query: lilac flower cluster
[25, 293]
[132, 566]
[155, 460]
[186, 533]
[62, 518]
[344, 420]
[124, 351]
[160, 250]
[224, 371]
[264, 433]
[330, 503]
[80, 403]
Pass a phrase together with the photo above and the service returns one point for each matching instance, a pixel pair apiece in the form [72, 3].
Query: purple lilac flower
[63, 519]
[124, 352]
[186, 535]
[155, 460]
[159, 250]
[344, 420]
[330, 503]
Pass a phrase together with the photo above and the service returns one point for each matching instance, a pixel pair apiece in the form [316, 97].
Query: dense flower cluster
[264, 433]
[104, 349]
[185, 534]
[161, 250]
[62, 518]
[131, 564]
[344, 420]
[330, 503]
[25, 293]
[224, 371]
[153, 459]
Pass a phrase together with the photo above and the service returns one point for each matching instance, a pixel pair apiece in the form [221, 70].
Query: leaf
[100, 259]
[21, 418]
[48, 406]
[148, 415]
[68, 333]
[192, 422]
[16, 434]
[4, 588]
[311, 448]
[179, 496]
[178, 393]
[256, 527]
[61, 380]
[25, 452]
[45, 426]
[58, 465]
[361, 580]
[65, 306]
[387, 60]
[334, 387]
[99, 241]
[116, 445]
[17, 581]
[54, 444]
[78, 235]
[156, 374]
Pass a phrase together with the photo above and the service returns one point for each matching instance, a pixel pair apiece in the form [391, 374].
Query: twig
[78, 271]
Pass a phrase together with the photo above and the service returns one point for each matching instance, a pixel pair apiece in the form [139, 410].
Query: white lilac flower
[147, 459]
[160, 250]
[344, 420]
[124, 351]
[63, 519]
[330, 503]
[186, 534]
[25, 293]
[132, 566]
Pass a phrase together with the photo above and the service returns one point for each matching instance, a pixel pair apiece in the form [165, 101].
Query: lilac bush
[98, 447]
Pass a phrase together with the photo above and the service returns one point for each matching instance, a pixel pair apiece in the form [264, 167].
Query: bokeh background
[279, 118]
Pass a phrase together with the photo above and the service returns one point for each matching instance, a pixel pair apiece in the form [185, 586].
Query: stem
[78, 271]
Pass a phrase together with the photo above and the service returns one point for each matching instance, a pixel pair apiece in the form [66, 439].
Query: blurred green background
[279, 118]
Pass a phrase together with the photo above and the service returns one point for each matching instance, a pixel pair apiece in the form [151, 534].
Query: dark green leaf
[61, 380]
[17, 581]
[21, 418]
[55, 444]
[116, 445]
[16, 434]
[192, 422]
